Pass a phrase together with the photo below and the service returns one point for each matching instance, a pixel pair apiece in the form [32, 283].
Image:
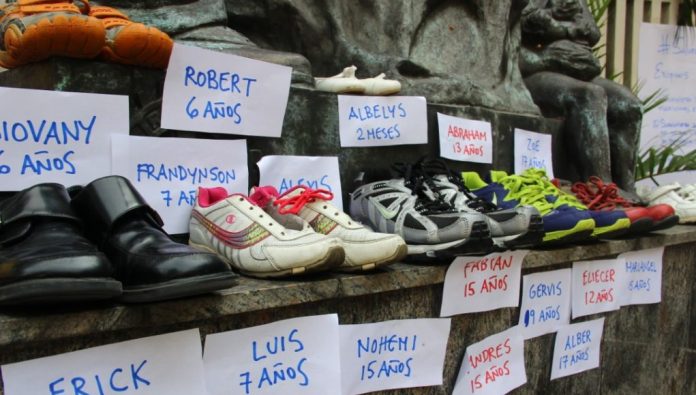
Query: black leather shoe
[44, 258]
[150, 265]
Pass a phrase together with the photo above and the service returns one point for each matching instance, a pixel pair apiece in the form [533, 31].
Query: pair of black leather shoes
[105, 242]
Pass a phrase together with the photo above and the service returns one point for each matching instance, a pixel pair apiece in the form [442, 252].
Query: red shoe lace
[293, 204]
[599, 196]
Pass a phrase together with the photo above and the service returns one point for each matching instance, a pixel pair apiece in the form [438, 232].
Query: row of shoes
[443, 213]
[34, 30]
[98, 242]
[681, 197]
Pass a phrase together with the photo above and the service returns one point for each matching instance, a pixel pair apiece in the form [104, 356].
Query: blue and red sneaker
[562, 223]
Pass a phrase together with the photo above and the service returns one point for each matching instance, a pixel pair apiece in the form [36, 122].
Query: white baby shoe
[346, 82]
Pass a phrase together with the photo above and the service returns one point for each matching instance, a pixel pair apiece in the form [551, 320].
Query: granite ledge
[26, 326]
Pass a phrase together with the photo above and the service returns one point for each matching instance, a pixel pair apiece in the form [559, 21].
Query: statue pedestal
[311, 119]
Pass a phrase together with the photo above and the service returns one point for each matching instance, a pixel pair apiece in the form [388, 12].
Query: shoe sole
[51, 291]
[398, 255]
[334, 258]
[581, 231]
[666, 223]
[686, 220]
[479, 241]
[641, 225]
[616, 229]
[533, 236]
[178, 288]
[38, 37]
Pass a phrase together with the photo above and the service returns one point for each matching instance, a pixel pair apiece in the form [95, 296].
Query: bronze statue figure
[602, 118]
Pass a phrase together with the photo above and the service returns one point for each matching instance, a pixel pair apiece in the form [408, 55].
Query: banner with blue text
[393, 354]
[294, 356]
[209, 91]
[61, 137]
[165, 364]
[168, 171]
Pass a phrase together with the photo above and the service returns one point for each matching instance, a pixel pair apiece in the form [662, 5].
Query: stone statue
[602, 118]
[203, 23]
[455, 52]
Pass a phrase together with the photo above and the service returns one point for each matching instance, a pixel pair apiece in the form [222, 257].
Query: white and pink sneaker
[255, 244]
[364, 249]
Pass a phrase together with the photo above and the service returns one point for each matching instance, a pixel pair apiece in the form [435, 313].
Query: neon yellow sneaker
[562, 223]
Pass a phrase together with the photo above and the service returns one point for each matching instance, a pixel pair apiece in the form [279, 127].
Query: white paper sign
[642, 277]
[165, 364]
[295, 356]
[474, 284]
[577, 348]
[393, 354]
[316, 172]
[533, 150]
[168, 171]
[209, 91]
[369, 121]
[667, 62]
[464, 139]
[596, 286]
[61, 137]
[545, 302]
[494, 365]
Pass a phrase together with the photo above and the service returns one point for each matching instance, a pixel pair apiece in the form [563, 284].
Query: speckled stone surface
[646, 349]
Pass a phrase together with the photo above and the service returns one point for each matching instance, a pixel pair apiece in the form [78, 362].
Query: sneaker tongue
[497, 175]
[261, 196]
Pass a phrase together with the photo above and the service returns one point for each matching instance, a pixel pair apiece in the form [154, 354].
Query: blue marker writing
[45, 132]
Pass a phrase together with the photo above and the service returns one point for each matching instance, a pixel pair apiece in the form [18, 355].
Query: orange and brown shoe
[34, 30]
[132, 43]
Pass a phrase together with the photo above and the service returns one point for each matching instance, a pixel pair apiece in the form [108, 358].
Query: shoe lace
[598, 195]
[527, 190]
[437, 167]
[549, 189]
[293, 204]
[422, 186]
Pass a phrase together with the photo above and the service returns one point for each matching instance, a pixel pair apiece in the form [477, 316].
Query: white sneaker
[670, 194]
[346, 82]
[252, 242]
[688, 192]
[364, 249]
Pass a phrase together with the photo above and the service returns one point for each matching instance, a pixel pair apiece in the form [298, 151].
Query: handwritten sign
[393, 354]
[577, 348]
[208, 91]
[475, 284]
[295, 356]
[61, 137]
[464, 139]
[642, 277]
[165, 364]
[369, 121]
[169, 175]
[596, 286]
[545, 302]
[533, 151]
[494, 365]
[667, 61]
[316, 172]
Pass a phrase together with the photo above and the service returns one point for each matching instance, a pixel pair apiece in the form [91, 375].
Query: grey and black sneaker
[517, 227]
[430, 228]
